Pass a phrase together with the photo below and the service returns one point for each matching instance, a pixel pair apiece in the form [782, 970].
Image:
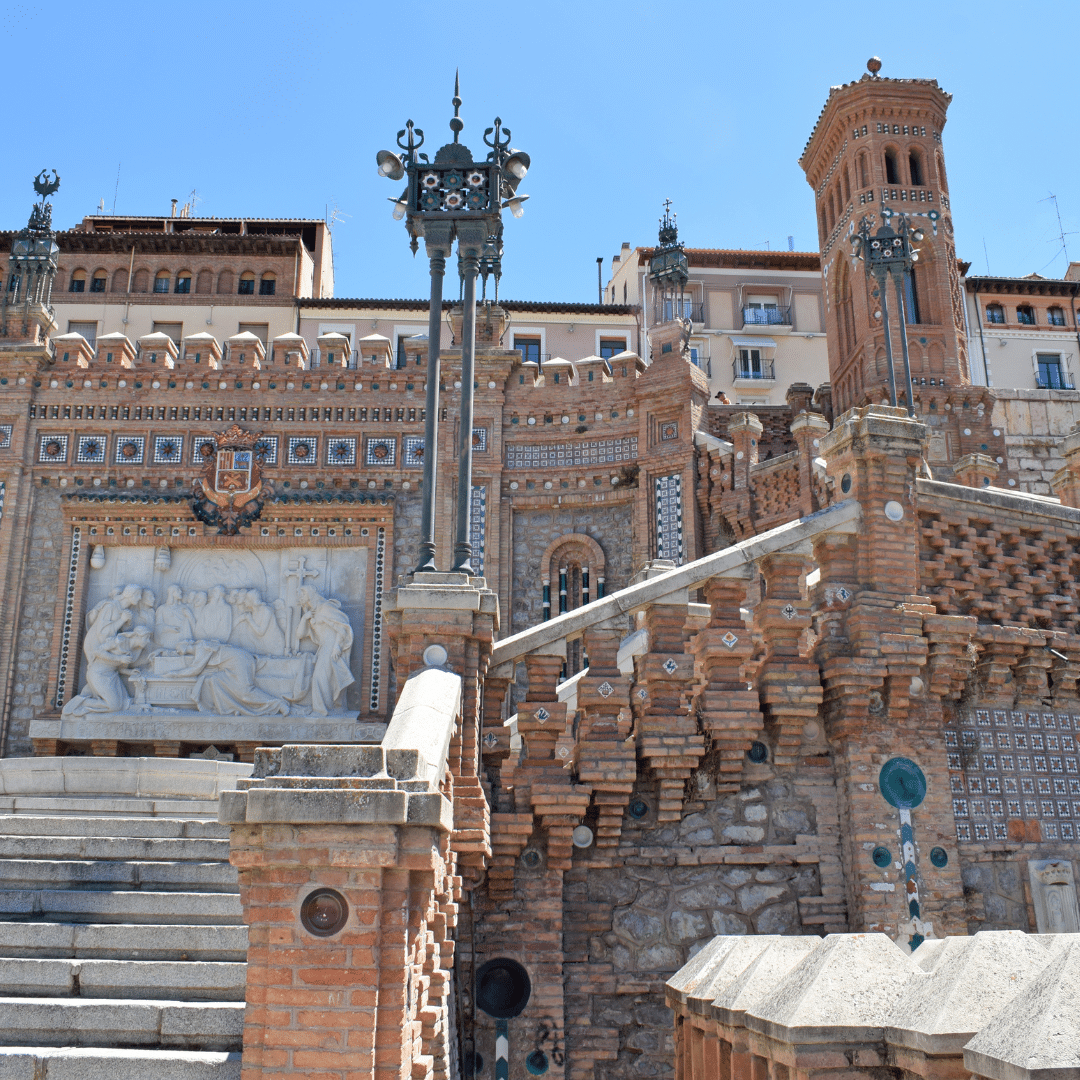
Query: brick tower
[875, 151]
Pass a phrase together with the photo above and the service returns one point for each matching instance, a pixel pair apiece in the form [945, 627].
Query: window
[1025, 315]
[915, 168]
[267, 285]
[247, 285]
[175, 330]
[1055, 316]
[13, 282]
[610, 347]
[529, 347]
[87, 329]
[995, 313]
[751, 366]
[863, 166]
[161, 281]
[1051, 375]
[183, 281]
[260, 329]
[892, 172]
[78, 281]
[98, 281]
[847, 186]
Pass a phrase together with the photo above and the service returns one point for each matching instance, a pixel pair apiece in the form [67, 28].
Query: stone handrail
[843, 517]
[1019, 502]
[424, 720]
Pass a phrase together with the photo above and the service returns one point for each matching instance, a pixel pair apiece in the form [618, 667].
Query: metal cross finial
[667, 206]
[456, 124]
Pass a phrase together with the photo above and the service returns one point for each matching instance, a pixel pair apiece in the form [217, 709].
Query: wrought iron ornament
[890, 253]
[34, 254]
[454, 197]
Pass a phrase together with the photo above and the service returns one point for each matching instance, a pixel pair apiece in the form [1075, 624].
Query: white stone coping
[996, 499]
[182, 778]
[843, 517]
[1010, 997]
[1036, 1036]
[971, 979]
[425, 718]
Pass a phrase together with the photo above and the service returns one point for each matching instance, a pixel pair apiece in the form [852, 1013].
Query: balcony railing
[667, 310]
[1054, 380]
[770, 316]
[751, 369]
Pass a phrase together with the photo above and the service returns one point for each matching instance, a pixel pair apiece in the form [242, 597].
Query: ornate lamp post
[454, 197]
[34, 254]
[889, 253]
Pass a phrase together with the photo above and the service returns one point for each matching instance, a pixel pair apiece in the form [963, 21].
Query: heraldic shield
[230, 492]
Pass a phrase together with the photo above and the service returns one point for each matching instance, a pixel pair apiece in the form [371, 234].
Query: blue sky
[274, 109]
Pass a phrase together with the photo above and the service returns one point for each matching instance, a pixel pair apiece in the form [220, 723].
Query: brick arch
[204, 281]
[593, 552]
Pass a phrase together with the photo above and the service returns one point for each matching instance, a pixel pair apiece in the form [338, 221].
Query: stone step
[124, 941]
[112, 847]
[126, 906]
[188, 981]
[79, 826]
[106, 1022]
[92, 1063]
[98, 875]
[98, 806]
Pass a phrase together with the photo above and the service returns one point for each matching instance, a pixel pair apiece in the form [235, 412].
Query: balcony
[769, 316]
[668, 310]
[752, 370]
[1054, 379]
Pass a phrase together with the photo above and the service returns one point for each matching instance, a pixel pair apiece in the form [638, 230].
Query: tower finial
[873, 65]
[456, 124]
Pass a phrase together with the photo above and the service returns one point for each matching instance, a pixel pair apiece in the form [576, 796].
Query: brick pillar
[370, 997]
[808, 429]
[976, 470]
[730, 713]
[744, 431]
[788, 683]
[461, 615]
[887, 661]
[1066, 482]
[605, 762]
[669, 741]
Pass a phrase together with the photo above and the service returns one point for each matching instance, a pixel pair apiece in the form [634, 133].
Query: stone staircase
[122, 947]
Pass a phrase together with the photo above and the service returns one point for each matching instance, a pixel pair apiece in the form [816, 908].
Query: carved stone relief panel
[223, 632]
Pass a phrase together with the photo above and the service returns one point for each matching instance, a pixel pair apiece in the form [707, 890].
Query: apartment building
[1023, 332]
[185, 276]
[757, 317]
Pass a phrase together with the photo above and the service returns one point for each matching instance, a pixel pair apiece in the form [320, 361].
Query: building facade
[803, 668]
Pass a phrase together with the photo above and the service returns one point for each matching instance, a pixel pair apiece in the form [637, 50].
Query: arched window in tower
[863, 167]
[844, 309]
[832, 211]
[942, 182]
[846, 184]
[892, 171]
[823, 223]
[915, 167]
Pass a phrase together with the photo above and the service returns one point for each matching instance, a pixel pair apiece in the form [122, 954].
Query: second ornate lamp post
[454, 197]
[889, 253]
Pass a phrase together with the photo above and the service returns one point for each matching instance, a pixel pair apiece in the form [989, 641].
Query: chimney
[174, 202]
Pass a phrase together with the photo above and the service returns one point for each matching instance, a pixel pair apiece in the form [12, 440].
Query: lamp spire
[456, 124]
